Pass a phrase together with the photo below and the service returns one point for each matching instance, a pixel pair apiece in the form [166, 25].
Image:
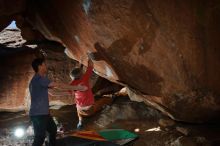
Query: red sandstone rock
[164, 49]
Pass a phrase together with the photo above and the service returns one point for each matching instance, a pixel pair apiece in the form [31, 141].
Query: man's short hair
[36, 62]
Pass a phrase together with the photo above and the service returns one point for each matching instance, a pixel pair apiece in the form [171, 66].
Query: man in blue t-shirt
[39, 110]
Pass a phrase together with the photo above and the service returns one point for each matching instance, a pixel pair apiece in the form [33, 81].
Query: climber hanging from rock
[85, 102]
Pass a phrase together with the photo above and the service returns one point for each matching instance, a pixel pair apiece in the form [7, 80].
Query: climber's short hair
[76, 72]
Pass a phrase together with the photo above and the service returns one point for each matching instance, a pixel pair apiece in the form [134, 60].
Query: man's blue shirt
[39, 95]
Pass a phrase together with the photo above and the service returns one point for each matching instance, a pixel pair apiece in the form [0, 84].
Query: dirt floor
[123, 114]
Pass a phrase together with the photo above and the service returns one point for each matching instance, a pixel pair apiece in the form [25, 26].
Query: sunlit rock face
[166, 52]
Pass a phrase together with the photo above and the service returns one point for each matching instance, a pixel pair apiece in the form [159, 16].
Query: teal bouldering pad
[117, 134]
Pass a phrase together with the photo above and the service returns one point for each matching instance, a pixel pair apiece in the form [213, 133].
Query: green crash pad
[117, 134]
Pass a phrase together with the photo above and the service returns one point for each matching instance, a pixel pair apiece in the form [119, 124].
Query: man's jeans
[41, 124]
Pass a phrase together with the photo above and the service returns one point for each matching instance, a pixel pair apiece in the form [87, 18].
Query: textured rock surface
[167, 51]
[11, 38]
